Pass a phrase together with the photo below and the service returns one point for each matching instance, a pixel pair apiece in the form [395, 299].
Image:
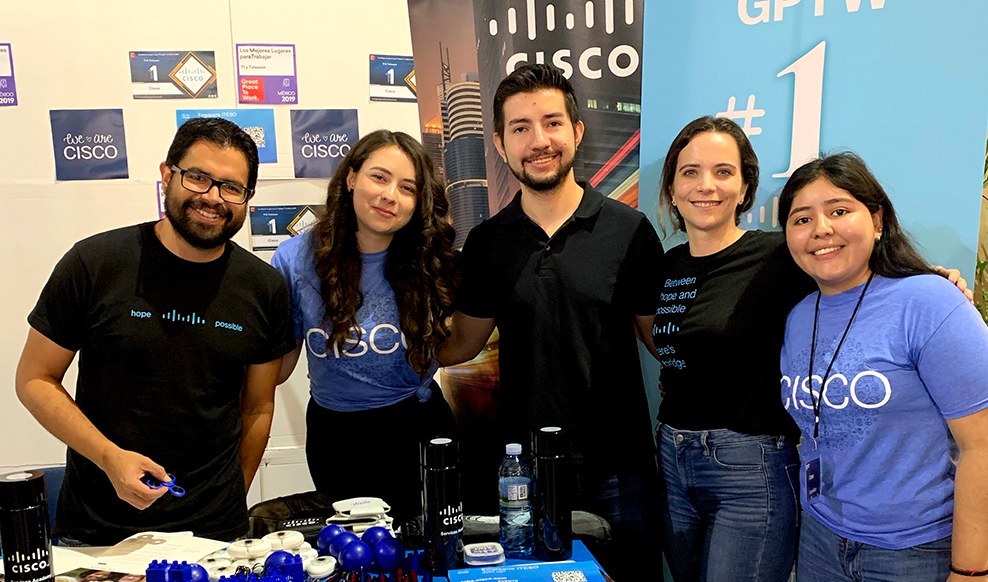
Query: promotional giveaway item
[376, 551]
[553, 506]
[484, 554]
[514, 483]
[285, 540]
[173, 488]
[442, 509]
[24, 527]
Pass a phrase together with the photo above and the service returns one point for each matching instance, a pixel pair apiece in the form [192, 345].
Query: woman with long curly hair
[372, 288]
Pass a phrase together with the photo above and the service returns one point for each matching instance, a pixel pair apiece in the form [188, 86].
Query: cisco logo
[621, 61]
[191, 318]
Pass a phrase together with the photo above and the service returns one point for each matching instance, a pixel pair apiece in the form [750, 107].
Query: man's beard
[547, 183]
[201, 236]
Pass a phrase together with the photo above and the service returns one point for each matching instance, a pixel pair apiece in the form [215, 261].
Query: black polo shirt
[564, 307]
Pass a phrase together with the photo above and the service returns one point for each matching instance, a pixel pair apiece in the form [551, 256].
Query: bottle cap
[22, 489]
[512, 448]
[550, 441]
[438, 453]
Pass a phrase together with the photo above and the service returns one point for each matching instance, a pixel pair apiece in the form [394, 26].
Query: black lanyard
[818, 402]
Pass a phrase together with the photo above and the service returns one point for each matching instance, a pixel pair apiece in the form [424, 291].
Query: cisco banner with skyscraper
[463, 48]
[903, 84]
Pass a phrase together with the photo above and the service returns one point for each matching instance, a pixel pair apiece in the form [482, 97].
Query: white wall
[74, 55]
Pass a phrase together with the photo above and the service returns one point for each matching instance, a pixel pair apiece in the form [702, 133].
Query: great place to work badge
[320, 140]
[173, 74]
[8, 93]
[89, 144]
[266, 74]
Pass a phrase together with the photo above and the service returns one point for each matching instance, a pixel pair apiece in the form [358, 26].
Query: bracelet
[971, 573]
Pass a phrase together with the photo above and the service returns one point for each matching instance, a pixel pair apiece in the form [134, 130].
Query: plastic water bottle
[515, 487]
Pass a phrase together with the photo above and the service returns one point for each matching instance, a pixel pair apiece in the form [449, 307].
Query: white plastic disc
[213, 562]
[285, 539]
[217, 572]
[321, 567]
[310, 554]
[249, 548]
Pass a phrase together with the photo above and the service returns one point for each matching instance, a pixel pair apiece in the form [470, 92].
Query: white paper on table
[133, 555]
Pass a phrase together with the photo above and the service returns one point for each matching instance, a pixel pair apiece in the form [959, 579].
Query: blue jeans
[826, 557]
[731, 504]
[625, 501]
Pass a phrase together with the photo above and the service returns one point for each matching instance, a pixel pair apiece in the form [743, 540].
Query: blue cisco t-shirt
[914, 357]
[371, 371]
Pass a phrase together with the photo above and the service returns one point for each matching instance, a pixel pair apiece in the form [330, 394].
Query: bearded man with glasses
[180, 333]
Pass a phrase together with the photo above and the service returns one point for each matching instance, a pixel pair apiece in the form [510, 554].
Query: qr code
[256, 134]
[569, 576]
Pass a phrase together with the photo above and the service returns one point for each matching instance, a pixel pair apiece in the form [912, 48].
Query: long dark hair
[421, 262]
[746, 153]
[893, 254]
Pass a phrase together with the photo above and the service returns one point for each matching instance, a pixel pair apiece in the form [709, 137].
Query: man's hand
[39, 387]
[954, 276]
[126, 469]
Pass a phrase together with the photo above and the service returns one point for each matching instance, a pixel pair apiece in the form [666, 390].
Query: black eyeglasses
[201, 183]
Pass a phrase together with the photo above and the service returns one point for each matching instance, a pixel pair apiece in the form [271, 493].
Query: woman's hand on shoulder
[954, 276]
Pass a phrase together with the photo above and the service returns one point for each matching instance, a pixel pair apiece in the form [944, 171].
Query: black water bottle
[24, 528]
[553, 505]
[442, 509]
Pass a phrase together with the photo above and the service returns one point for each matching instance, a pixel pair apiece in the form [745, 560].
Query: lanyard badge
[812, 462]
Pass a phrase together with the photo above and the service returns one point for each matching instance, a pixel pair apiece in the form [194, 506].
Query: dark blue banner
[320, 140]
[89, 144]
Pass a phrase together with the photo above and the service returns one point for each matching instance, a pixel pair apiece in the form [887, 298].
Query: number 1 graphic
[271, 225]
[807, 107]
[153, 69]
[391, 76]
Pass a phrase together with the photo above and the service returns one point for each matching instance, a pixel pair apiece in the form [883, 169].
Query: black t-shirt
[719, 330]
[163, 344]
[564, 308]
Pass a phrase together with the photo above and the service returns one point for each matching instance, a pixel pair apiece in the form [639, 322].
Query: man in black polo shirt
[566, 275]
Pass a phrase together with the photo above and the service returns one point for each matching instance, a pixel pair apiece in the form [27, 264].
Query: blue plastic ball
[389, 553]
[275, 562]
[356, 555]
[198, 574]
[326, 536]
[341, 541]
[374, 535]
